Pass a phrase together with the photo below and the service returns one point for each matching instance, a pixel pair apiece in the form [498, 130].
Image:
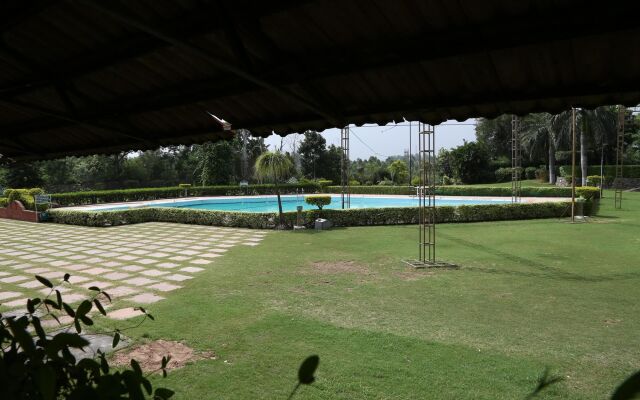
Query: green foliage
[318, 200]
[324, 182]
[503, 174]
[385, 182]
[398, 171]
[594, 180]
[415, 181]
[4, 201]
[459, 190]
[37, 365]
[214, 163]
[184, 185]
[470, 162]
[273, 167]
[349, 217]
[628, 171]
[23, 175]
[25, 196]
[588, 192]
[123, 195]
[530, 173]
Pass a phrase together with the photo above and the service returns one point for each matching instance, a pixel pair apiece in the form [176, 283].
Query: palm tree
[536, 137]
[274, 166]
[591, 125]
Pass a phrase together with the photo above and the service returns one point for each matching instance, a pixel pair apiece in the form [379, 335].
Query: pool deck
[151, 203]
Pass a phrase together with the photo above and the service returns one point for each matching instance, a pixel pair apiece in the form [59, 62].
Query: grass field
[529, 295]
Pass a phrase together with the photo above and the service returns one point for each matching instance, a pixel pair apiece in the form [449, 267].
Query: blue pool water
[289, 203]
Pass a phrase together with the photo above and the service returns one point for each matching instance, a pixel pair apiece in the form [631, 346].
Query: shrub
[324, 182]
[594, 180]
[354, 182]
[318, 200]
[446, 180]
[348, 217]
[542, 175]
[588, 192]
[385, 182]
[45, 368]
[4, 201]
[415, 181]
[110, 196]
[184, 185]
[530, 172]
[503, 174]
[459, 190]
[25, 196]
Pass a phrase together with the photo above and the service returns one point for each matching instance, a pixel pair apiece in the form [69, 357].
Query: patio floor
[135, 264]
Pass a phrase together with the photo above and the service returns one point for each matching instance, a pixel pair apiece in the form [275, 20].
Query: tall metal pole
[344, 168]
[573, 164]
[617, 183]
[410, 157]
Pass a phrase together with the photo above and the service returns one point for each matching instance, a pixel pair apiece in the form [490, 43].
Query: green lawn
[530, 295]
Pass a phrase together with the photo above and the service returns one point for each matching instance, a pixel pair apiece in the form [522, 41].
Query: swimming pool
[289, 203]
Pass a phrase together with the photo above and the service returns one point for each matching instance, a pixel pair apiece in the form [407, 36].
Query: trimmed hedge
[459, 190]
[351, 217]
[115, 196]
[629, 171]
[25, 196]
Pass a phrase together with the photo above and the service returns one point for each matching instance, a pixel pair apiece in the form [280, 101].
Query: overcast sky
[384, 141]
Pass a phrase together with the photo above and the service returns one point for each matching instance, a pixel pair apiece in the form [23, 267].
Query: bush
[348, 217]
[4, 201]
[542, 175]
[594, 180]
[503, 174]
[111, 196]
[588, 192]
[530, 172]
[318, 200]
[25, 196]
[354, 182]
[40, 365]
[385, 182]
[447, 180]
[324, 182]
[415, 181]
[459, 190]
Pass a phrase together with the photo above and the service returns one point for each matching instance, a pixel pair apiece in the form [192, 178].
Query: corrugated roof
[82, 77]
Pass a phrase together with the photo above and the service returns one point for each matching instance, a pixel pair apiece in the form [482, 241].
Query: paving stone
[77, 267]
[191, 269]
[159, 255]
[146, 261]
[210, 255]
[153, 272]
[124, 313]
[16, 303]
[140, 252]
[38, 270]
[119, 291]
[164, 287]
[127, 257]
[189, 252]
[139, 281]
[95, 271]
[75, 279]
[116, 276]
[168, 265]
[132, 268]
[94, 260]
[13, 278]
[8, 295]
[100, 284]
[111, 264]
[177, 277]
[145, 298]
[30, 284]
[53, 275]
[250, 244]
[77, 257]
[73, 297]
[21, 266]
[179, 258]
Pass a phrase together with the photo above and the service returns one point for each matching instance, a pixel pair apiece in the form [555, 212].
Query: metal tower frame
[516, 164]
[617, 183]
[426, 193]
[345, 193]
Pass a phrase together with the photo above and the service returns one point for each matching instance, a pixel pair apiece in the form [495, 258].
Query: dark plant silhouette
[306, 372]
[42, 366]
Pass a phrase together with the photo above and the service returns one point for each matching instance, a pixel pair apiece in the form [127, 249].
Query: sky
[384, 141]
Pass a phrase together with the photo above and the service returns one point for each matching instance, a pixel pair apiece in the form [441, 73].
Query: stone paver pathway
[135, 264]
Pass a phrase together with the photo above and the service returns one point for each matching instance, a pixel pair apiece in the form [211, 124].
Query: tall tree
[312, 148]
[276, 167]
[23, 175]
[538, 140]
[495, 134]
[214, 163]
[399, 171]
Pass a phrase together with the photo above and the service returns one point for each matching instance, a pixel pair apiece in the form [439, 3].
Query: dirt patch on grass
[413, 274]
[339, 267]
[149, 355]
